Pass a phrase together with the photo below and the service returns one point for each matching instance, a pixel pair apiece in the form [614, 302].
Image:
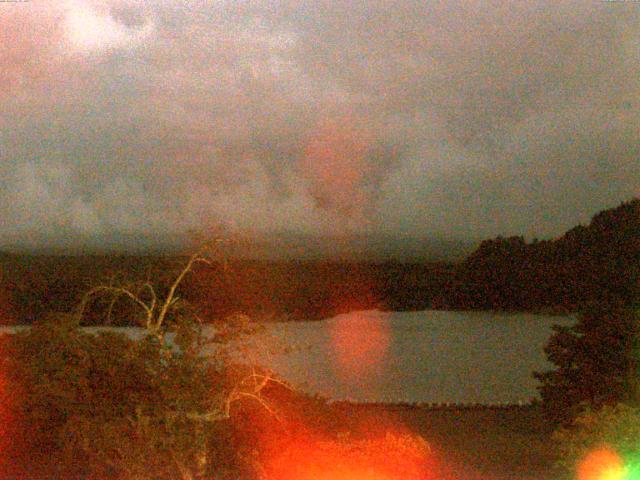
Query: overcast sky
[438, 118]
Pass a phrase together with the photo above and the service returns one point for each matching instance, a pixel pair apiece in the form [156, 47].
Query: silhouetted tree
[596, 362]
[599, 262]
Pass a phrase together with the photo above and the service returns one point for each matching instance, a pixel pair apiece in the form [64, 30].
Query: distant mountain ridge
[275, 246]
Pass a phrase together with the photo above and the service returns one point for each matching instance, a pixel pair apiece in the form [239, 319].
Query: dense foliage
[107, 406]
[595, 263]
[601, 441]
[594, 394]
[31, 286]
[596, 359]
[103, 405]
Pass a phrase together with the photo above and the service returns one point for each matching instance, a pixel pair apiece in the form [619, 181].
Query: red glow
[6, 318]
[335, 162]
[303, 443]
[28, 37]
[359, 341]
[601, 464]
[8, 398]
[391, 457]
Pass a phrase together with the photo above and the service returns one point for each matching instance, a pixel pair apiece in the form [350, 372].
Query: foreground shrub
[106, 405]
[600, 443]
[103, 405]
[596, 360]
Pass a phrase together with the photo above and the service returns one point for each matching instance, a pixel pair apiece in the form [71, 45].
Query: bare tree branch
[116, 291]
[157, 309]
[172, 291]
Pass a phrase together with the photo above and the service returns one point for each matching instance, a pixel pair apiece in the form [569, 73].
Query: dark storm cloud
[455, 118]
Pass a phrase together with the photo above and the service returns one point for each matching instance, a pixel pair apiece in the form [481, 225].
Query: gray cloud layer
[468, 118]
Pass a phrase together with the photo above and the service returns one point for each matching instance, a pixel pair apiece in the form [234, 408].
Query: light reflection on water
[432, 356]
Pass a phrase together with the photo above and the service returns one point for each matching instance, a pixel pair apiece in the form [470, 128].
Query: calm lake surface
[428, 356]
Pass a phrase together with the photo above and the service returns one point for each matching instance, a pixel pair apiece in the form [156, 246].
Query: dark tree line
[32, 286]
[597, 362]
[599, 262]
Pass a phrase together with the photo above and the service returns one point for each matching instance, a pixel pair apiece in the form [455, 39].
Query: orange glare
[335, 162]
[392, 457]
[359, 341]
[601, 464]
[5, 421]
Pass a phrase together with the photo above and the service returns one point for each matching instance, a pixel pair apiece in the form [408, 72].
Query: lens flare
[602, 464]
[391, 457]
[632, 471]
[6, 318]
[335, 161]
[359, 341]
[301, 438]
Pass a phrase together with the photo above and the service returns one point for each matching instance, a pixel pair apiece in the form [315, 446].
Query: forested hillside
[295, 290]
[597, 262]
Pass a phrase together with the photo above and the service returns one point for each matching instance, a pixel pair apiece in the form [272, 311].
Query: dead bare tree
[156, 310]
[166, 313]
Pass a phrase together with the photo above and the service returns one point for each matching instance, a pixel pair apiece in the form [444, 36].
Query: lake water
[428, 356]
